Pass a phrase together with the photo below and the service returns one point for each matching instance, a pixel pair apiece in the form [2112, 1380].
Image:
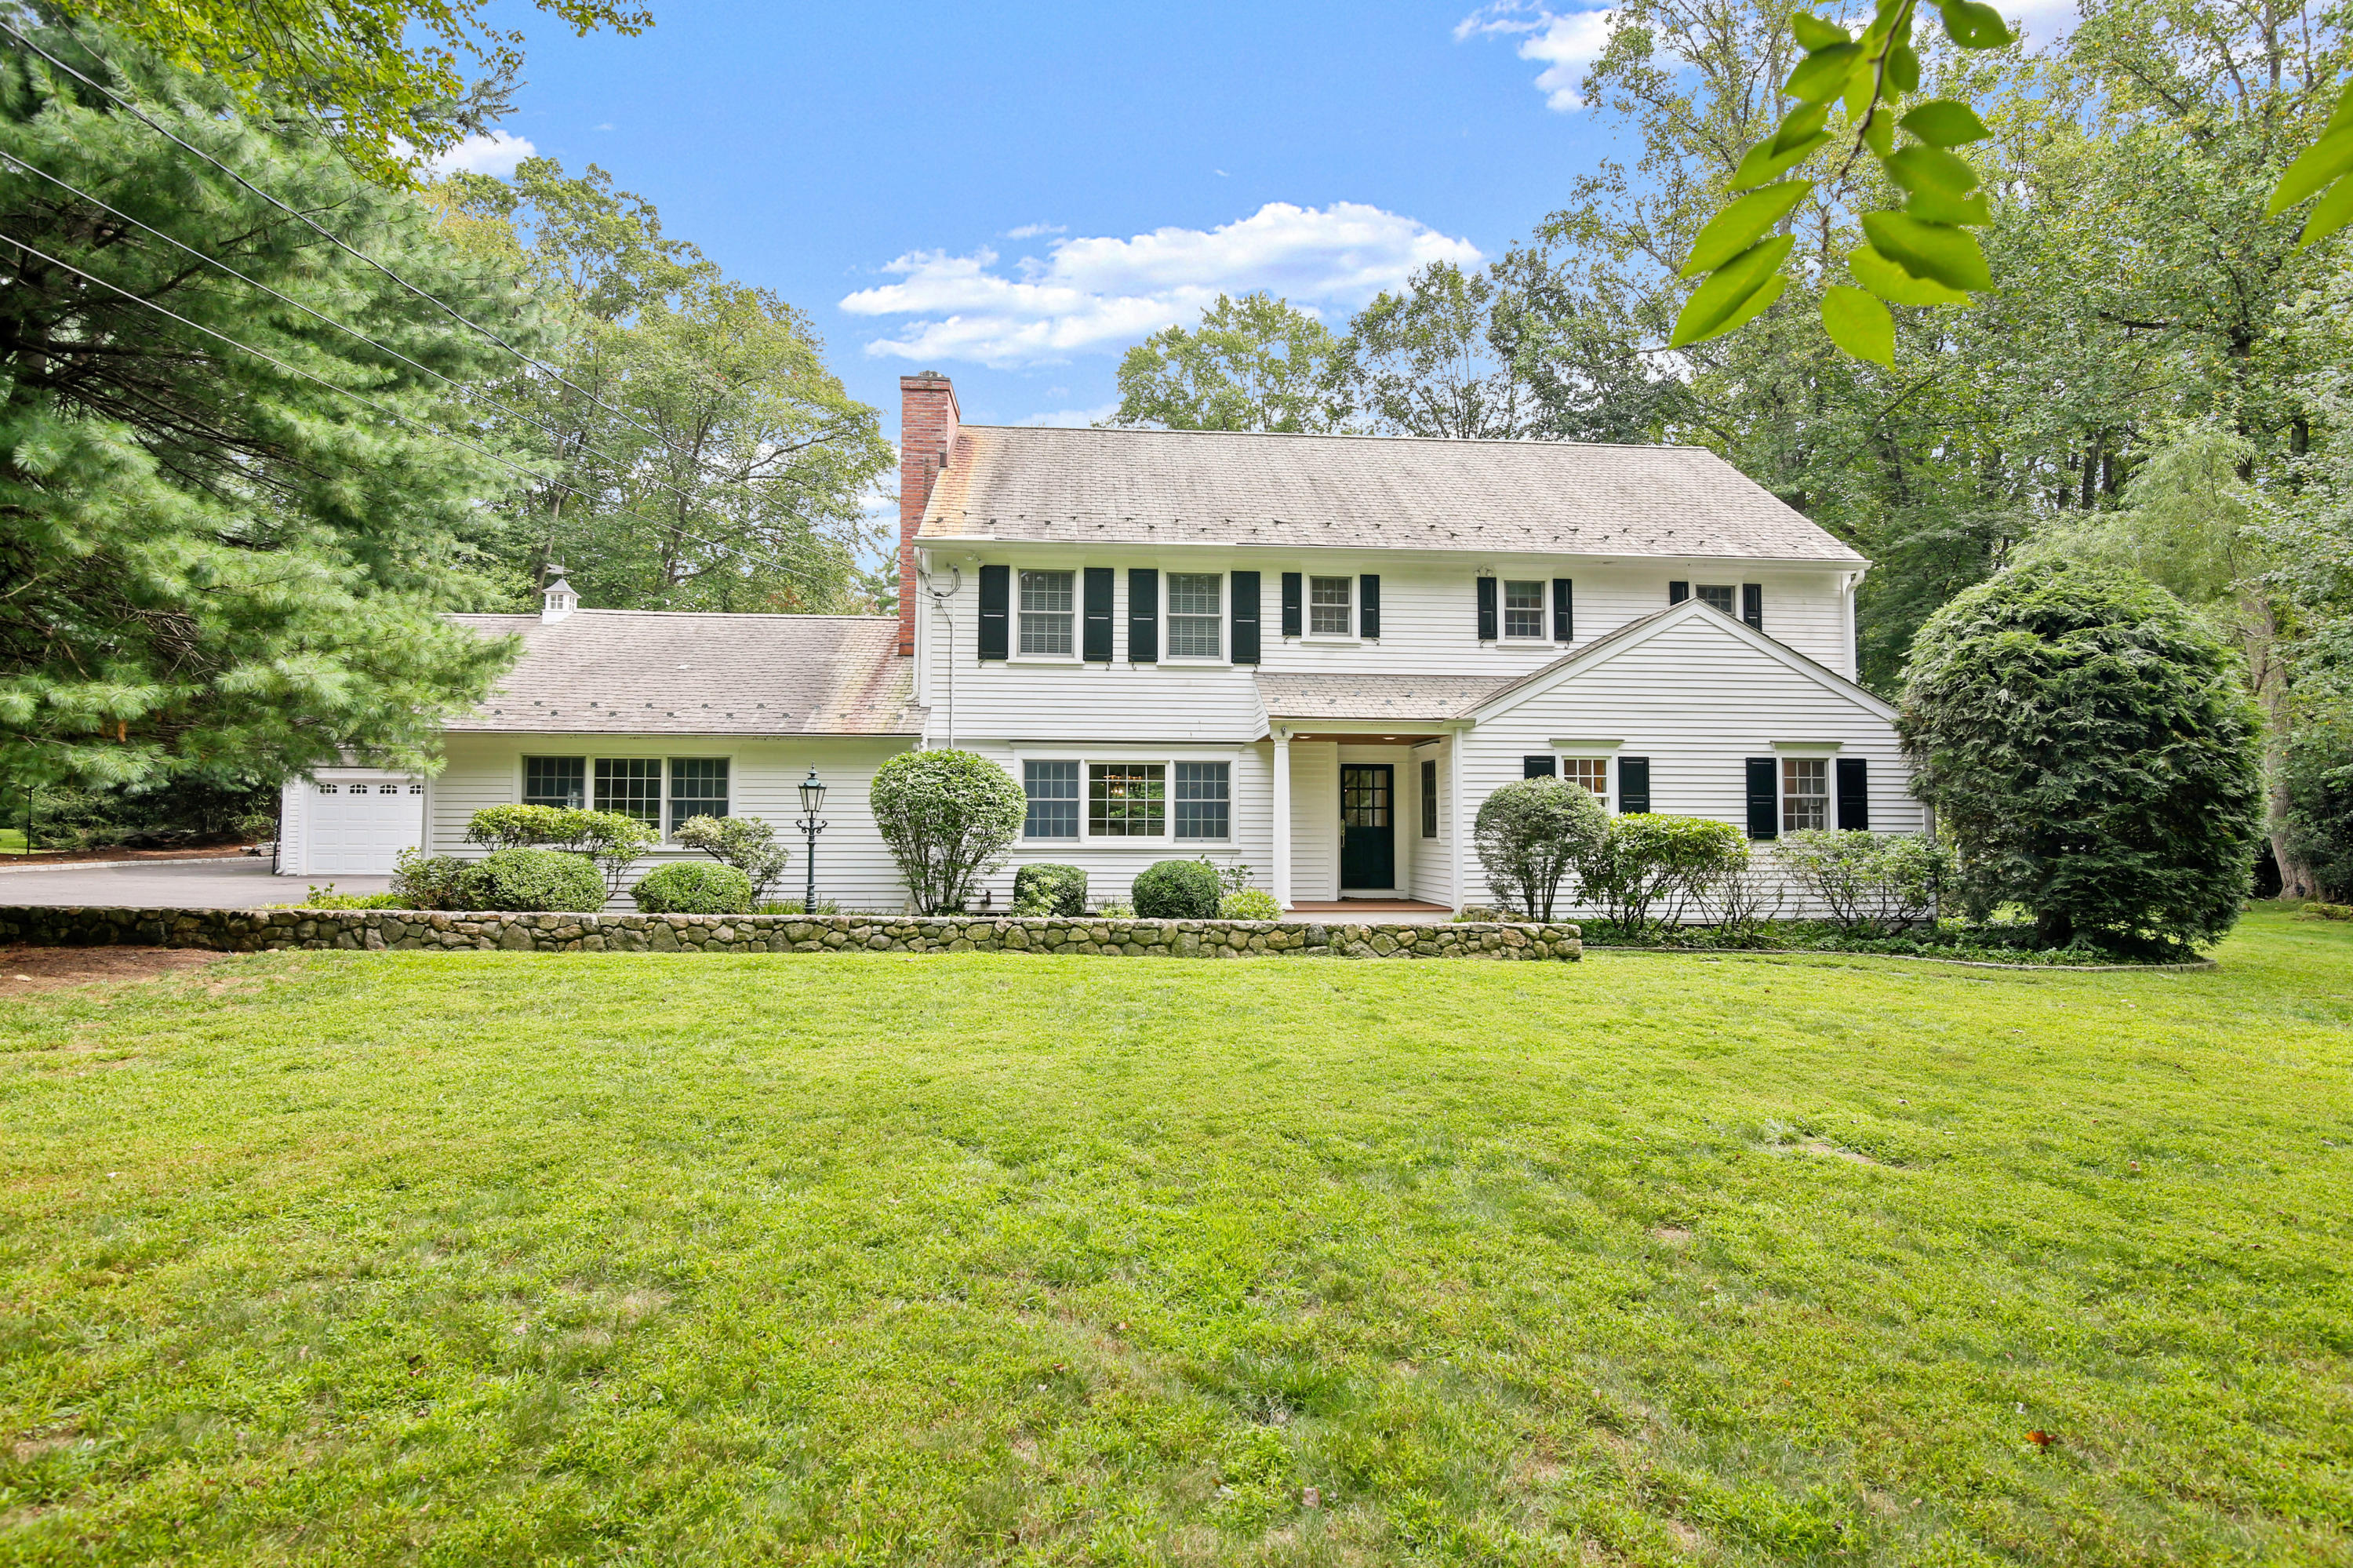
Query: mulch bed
[27, 969]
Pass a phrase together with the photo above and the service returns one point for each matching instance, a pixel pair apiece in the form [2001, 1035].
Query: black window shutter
[1294, 614]
[1368, 605]
[1763, 798]
[1486, 609]
[995, 599]
[1245, 614]
[1752, 604]
[1678, 592]
[1536, 767]
[1633, 784]
[1096, 647]
[1564, 610]
[1143, 615]
[1854, 794]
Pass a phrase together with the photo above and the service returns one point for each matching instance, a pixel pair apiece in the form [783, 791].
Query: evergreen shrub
[1530, 833]
[1048, 890]
[948, 816]
[1176, 890]
[535, 880]
[694, 887]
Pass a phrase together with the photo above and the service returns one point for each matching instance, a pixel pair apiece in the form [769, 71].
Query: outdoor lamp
[812, 799]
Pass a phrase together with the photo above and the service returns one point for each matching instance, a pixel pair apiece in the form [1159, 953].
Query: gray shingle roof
[1362, 491]
[629, 671]
[1389, 699]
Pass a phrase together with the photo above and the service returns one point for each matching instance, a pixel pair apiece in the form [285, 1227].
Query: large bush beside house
[1046, 890]
[948, 818]
[2086, 742]
[1529, 835]
[612, 840]
[1646, 869]
[746, 843]
[533, 880]
[1176, 890]
[429, 881]
[694, 887]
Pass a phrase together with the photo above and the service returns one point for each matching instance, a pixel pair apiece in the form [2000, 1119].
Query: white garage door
[358, 826]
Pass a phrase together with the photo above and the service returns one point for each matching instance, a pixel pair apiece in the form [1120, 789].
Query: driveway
[168, 884]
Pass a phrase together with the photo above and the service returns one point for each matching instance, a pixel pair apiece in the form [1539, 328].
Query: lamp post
[812, 801]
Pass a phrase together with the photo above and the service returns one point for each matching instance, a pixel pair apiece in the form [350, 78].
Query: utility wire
[11, 160]
[384, 409]
[328, 235]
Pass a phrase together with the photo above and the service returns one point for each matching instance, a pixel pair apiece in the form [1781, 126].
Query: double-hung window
[1718, 597]
[631, 786]
[1202, 803]
[1593, 772]
[556, 782]
[1046, 614]
[698, 788]
[1128, 800]
[1523, 610]
[1805, 793]
[1329, 600]
[1053, 792]
[1195, 616]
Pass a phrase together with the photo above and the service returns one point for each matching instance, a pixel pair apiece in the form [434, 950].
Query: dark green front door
[1367, 825]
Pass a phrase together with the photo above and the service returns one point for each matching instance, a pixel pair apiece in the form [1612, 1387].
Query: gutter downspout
[940, 598]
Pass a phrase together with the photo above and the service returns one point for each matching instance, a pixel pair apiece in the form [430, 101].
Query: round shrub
[2086, 740]
[1249, 904]
[424, 881]
[533, 880]
[1528, 834]
[1047, 890]
[694, 887]
[948, 816]
[1176, 890]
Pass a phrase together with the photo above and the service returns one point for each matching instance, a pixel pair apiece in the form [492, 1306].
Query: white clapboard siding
[1429, 625]
[1433, 865]
[854, 868]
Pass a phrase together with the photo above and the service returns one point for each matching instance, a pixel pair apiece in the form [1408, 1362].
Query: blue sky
[1012, 195]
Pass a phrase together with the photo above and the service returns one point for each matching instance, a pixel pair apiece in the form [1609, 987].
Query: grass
[520, 1259]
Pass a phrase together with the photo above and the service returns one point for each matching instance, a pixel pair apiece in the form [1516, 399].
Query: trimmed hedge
[694, 887]
[1050, 890]
[533, 881]
[1177, 890]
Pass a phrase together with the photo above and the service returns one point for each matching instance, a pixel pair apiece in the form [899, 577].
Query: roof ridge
[1535, 441]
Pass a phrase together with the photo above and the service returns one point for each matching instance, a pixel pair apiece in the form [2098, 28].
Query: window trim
[1309, 634]
[1168, 655]
[589, 757]
[1114, 756]
[1543, 634]
[1605, 755]
[1732, 595]
[1787, 760]
[1014, 654]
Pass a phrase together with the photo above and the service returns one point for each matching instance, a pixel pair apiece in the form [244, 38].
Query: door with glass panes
[1367, 825]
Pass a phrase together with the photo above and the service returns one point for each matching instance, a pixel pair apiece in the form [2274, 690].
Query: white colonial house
[1311, 655]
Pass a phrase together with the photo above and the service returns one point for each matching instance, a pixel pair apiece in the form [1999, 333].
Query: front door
[1367, 825]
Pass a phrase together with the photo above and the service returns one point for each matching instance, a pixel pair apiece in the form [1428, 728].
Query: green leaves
[2322, 168]
[1923, 255]
[1733, 294]
[1860, 324]
[1737, 227]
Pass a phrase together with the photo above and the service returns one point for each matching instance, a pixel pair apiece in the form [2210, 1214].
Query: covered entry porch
[1367, 787]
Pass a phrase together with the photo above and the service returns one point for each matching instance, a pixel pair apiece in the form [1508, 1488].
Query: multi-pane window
[1430, 799]
[1805, 793]
[632, 786]
[556, 782]
[698, 788]
[1053, 792]
[1201, 800]
[1194, 626]
[1716, 596]
[1523, 610]
[1046, 613]
[1363, 797]
[1128, 800]
[1593, 772]
[1328, 600]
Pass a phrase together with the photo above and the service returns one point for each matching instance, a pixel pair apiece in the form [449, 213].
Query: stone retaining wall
[253, 930]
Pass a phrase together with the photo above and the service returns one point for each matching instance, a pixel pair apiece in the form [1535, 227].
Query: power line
[15, 162]
[329, 235]
[383, 409]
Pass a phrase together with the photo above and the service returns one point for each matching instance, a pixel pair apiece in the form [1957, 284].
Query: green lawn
[486, 1257]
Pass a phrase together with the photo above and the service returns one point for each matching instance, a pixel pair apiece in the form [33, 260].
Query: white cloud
[1073, 418]
[496, 153]
[2044, 21]
[1565, 42]
[1035, 230]
[1092, 293]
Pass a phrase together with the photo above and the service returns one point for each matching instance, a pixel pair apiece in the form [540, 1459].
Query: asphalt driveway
[165, 883]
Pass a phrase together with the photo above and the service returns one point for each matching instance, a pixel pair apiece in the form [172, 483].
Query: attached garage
[349, 822]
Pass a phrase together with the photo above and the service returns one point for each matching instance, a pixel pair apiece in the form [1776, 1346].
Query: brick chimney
[927, 427]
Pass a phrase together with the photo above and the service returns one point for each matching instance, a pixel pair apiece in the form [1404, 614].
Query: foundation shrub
[1047, 890]
[532, 880]
[694, 887]
[1176, 890]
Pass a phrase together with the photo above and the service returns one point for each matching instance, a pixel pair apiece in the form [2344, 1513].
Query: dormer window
[1047, 611]
[1717, 597]
[1329, 601]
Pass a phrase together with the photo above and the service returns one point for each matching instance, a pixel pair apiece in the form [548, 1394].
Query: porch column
[1282, 817]
[1458, 820]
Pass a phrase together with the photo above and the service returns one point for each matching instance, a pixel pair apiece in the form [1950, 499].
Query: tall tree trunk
[2269, 677]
